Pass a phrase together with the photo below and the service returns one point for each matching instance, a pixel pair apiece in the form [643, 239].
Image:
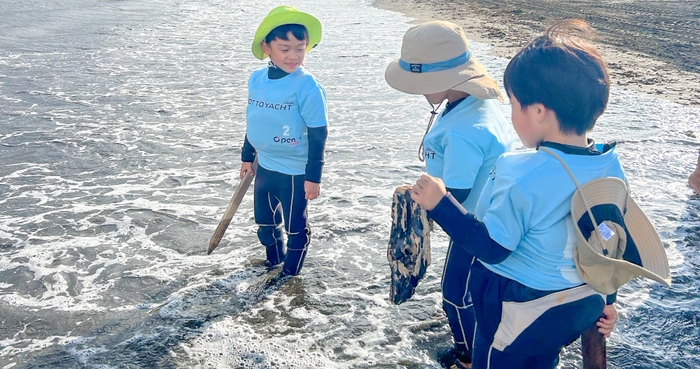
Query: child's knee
[299, 240]
[269, 235]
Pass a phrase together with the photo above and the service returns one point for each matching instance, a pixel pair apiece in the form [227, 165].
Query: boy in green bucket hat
[286, 129]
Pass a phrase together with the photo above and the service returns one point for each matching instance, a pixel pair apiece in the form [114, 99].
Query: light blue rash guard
[462, 146]
[526, 208]
[278, 114]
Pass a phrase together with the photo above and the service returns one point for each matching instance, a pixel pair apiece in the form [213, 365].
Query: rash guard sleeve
[248, 151]
[467, 232]
[459, 194]
[317, 147]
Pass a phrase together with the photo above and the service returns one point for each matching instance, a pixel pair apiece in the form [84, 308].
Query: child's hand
[607, 322]
[428, 191]
[246, 168]
[312, 190]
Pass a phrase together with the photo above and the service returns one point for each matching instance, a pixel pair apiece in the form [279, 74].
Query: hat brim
[313, 28]
[654, 263]
[470, 77]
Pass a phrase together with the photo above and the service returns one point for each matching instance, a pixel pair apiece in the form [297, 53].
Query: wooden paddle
[593, 349]
[231, 209]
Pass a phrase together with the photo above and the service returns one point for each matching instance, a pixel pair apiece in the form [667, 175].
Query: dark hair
[564, 72]
[298, 31]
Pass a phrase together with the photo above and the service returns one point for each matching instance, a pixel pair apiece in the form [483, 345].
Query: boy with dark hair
[286, 128]
[529, 299]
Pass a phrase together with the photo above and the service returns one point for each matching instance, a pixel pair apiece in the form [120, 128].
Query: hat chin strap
[433, 114]
[580, 193]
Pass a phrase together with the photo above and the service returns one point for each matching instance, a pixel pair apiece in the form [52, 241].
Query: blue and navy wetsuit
[525, 283]
[287, 129]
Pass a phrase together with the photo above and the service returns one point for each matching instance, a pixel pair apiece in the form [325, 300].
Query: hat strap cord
[588, 208]
[433, 113]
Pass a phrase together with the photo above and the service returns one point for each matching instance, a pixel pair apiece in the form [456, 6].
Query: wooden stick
[231, 209]
[593, 349]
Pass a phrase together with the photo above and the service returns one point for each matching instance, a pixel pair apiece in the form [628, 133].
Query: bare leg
[694, 180]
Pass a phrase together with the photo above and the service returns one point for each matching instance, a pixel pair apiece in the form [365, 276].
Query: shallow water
[120, 134]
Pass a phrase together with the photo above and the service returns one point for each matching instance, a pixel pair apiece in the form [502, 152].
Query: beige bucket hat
[435, 57]
[630, 246]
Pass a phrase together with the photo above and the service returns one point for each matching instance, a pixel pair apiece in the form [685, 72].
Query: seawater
[120, 131]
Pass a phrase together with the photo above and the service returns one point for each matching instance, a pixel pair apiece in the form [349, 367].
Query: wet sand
[651, 46]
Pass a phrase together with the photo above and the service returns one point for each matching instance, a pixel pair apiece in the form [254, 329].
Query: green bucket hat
[282, 15]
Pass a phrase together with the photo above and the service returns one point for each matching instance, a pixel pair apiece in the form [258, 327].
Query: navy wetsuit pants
[456, 300]
[522, 328]
[280, 201]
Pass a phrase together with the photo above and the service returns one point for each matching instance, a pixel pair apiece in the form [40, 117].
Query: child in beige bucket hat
[460, 148]
[543, 276]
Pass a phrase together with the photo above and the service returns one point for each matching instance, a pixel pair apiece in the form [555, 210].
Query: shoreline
[638, 65]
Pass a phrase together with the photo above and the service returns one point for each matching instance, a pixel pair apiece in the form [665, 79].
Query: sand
[650, 46]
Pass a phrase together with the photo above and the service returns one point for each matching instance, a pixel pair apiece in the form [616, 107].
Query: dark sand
[651, 46]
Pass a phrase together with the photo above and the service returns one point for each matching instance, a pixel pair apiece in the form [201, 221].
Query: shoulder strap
[580, 193]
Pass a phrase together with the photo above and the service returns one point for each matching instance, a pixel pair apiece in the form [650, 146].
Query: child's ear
[539, 111]
[545, 117]
[265, 47]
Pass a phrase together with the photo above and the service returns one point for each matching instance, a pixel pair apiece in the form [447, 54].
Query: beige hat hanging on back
[435, 57]
[623, 245]
[630, 246]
